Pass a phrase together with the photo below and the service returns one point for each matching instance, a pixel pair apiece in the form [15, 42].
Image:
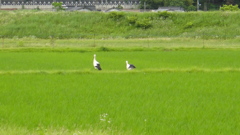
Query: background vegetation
[188, 5]
[42, 24]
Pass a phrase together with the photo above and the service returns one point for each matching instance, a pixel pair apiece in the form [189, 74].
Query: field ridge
[160, 70]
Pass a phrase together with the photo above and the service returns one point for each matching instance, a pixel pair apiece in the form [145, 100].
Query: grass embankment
[45, 24]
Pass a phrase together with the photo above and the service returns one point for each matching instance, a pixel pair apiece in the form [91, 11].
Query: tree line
[188, 5]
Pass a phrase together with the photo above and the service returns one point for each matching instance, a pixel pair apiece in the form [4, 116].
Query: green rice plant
[179, 60]
[174, 90]
[120, 103]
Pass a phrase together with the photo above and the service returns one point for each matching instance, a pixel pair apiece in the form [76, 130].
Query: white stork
[129, 66]
[96, 64]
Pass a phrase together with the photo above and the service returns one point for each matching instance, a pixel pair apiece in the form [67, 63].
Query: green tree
[154, 4]
[175, 3]
[229, 8]
[58, 6]
[191, 8]
[151, 4]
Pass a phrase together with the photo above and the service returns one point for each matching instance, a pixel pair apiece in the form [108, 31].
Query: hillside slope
[43, 24]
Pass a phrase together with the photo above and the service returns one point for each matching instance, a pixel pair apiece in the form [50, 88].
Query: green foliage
[145, 23]
[176, 3]
[116, 15]
[188, 3]
[191, 8]
[132, 19]
[151, 4]
[229, 8]
[154, 4]
[58, 6]
[188, 25]
[164, 14]
[119, 7]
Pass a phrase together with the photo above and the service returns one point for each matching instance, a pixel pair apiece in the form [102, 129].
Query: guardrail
[73, 3]
[48, 5]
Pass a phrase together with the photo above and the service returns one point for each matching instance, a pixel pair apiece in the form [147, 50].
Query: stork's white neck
[94, 57]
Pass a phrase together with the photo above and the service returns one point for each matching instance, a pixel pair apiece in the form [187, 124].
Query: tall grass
[99, 25]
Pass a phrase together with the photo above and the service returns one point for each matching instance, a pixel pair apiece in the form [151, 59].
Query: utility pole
[198, 4]
[144, 6]
[0, 4]
[205, 6]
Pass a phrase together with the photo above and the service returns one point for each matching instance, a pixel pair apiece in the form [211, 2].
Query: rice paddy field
[174, 89]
